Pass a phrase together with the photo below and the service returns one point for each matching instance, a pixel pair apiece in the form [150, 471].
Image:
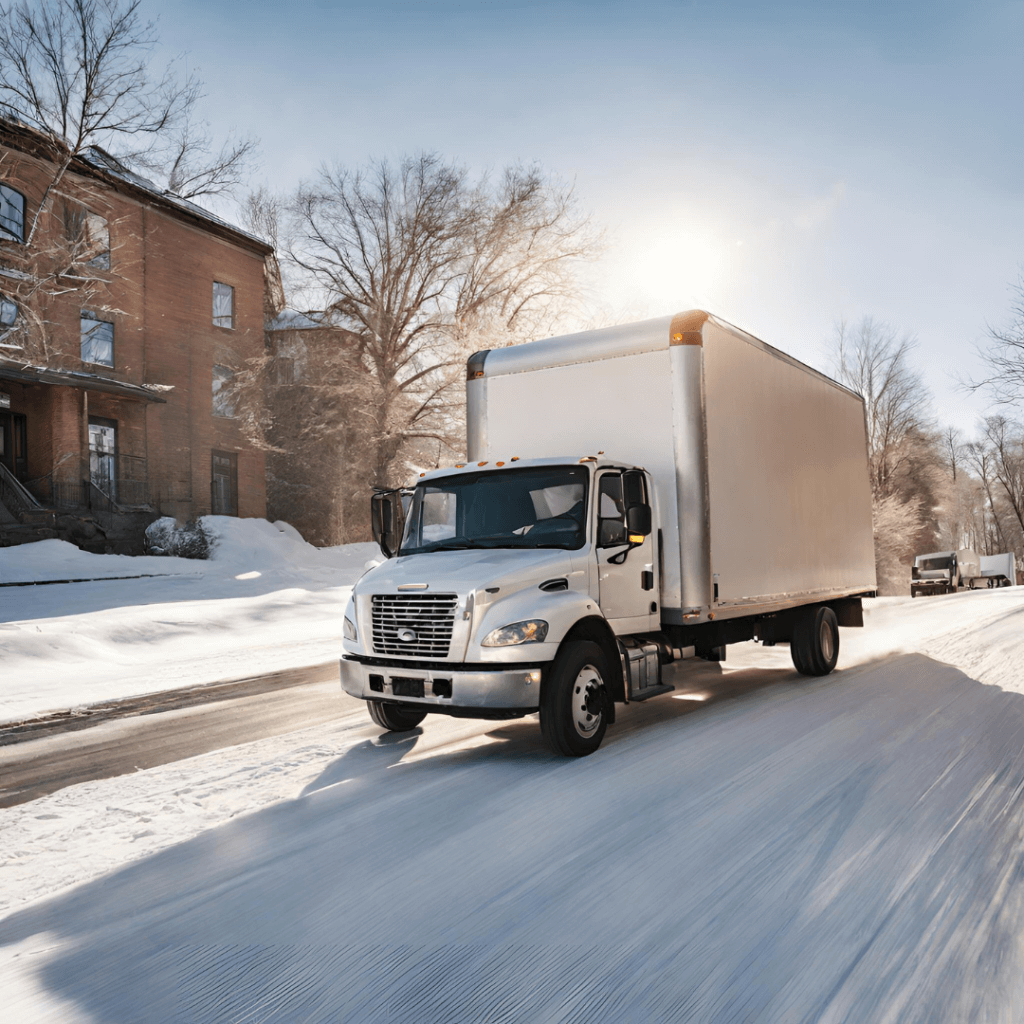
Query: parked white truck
[999, 570]
[633, 496]
[944, 572]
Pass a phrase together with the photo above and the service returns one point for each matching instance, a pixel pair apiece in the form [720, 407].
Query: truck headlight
[532, 631]
[349, 630]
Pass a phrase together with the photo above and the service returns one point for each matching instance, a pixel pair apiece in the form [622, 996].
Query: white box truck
[999, 570]
[633, 495]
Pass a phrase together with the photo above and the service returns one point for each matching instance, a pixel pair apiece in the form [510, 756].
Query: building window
[285, 369]
[8, 313]
[223, 398]
[224, 486]
[89, 236]
[223, 305]
[103, 455]
[97, 340]
[12, 214]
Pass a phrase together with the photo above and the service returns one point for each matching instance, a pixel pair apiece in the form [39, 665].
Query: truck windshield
[931, 564]
[536, 507]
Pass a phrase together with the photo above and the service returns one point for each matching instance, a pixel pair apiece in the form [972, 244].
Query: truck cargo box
[759, 461]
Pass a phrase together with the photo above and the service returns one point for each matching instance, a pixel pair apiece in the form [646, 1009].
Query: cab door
[628, 581]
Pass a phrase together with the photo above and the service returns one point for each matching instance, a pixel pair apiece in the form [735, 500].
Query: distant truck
[999, 570]
[944, 572]
[633, 496]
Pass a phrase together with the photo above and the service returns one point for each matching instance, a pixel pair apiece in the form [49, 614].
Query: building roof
[293, 320]
[98, 163]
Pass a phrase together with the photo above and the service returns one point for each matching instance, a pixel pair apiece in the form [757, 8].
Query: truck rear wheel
[573, 707]
[395, 717]
[815, 643]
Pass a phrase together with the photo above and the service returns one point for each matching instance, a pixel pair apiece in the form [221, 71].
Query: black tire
[395, 717]
[815, 643]
[574, 703]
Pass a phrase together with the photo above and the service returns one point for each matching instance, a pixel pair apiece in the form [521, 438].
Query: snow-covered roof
[294, 320]
[100, 159]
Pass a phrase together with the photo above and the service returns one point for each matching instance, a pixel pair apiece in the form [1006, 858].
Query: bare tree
[1004, 355]
[1005, 442]
[979, 457]
[871, 358]
[79, 73]
[897, 524]
[422, 265]
[952, 442]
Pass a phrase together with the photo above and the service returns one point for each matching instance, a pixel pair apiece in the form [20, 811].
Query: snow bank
[265, 600]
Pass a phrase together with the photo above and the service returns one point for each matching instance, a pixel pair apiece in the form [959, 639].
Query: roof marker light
[515, 458]
[481, 463]
[499, 463]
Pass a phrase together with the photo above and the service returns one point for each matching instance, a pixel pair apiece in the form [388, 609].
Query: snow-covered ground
[757, 846]
[264, 601]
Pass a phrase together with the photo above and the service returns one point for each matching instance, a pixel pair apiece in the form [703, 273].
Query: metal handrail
[12, 487]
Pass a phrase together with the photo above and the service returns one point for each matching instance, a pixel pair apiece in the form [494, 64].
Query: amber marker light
[481, 463]
[499, 463]
[636, 538]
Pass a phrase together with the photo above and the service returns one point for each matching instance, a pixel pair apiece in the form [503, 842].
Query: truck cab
[497, 570]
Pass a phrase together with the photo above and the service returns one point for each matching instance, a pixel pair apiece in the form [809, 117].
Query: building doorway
[14, 443]
[103, 455]
[224, 485]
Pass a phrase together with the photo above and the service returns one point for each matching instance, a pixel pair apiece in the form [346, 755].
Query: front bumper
[446, 689]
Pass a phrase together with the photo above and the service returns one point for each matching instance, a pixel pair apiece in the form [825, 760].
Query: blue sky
[782, 165]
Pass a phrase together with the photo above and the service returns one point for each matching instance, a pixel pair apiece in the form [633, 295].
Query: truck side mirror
[634, 497]
[638, 520]
[387, 517]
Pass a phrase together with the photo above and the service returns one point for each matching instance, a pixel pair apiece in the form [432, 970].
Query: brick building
[124, 310]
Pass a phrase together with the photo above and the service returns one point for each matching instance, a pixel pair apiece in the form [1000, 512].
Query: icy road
[756, 847]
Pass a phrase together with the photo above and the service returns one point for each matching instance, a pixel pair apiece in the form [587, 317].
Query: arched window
[12, 214]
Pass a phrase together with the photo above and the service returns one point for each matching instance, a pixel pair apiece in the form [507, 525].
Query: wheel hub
[587, 701]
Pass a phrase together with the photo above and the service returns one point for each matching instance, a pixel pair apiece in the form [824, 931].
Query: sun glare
[667, 270]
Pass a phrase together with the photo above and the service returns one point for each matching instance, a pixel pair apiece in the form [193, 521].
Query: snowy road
[846, 849]
[33, 768]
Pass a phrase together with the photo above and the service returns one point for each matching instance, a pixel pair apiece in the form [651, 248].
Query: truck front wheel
[573, 707]
[815, 643]
[395, 717]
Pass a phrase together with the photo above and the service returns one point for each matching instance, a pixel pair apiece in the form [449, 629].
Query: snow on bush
[167, 537]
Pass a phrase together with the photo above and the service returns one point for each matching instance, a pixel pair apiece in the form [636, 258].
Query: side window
[8, 313]
[224, 484]
[97, 340]
[223, 400]
[611, 516]
[223, 305]
[12, 214]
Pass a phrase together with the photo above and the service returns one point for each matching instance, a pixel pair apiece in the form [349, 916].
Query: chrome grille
[429, 616]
